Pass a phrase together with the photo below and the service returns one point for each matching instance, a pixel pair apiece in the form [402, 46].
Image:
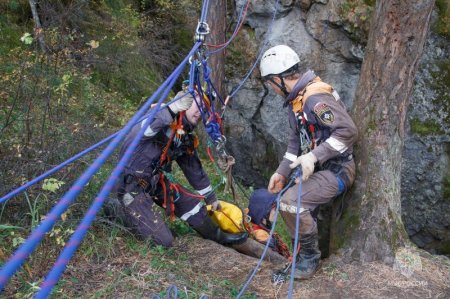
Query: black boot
[210, 230]
[308, 259]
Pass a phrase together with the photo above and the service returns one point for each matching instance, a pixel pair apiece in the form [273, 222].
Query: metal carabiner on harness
[305, 141]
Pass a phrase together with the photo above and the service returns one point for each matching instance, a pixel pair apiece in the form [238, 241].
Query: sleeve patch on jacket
[324, 113]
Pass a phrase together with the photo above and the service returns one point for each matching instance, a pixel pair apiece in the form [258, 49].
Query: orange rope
[177, 124]
[163, 184]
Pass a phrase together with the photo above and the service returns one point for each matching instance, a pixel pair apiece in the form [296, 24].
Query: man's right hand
[276, 183]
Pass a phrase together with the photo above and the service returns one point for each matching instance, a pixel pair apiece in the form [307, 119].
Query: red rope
[209, 152]
[182, 190]
[235, 33]
[313, 141]
[172, 201]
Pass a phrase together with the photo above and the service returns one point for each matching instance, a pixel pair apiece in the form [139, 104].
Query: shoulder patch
[324, 113]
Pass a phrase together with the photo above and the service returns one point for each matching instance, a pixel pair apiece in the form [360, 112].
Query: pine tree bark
[217, 22]
[371, 227]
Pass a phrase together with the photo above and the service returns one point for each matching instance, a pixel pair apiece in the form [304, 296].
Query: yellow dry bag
[229, 218]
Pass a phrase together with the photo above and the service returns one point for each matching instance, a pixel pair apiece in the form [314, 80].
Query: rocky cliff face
[327, 36]
[426, 175]
[257, 120]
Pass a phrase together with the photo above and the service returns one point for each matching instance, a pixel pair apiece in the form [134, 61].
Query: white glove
[276, 183]
[215, 206]
[181, 104]
[307, 162]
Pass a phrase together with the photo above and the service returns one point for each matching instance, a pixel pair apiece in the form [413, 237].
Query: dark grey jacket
[150, 148]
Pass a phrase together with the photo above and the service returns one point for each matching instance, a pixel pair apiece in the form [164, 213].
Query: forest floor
[201, 267]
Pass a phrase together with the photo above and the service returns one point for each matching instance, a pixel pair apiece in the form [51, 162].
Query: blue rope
[193, 74]
[169, 292]
[172, 289]
[297, 228]
[86, 151]
[34, 239]
[218, 95]
[263, 46]
[258, 265]
[195, 77]
[69, 161]
[55, 169]
[204, 13]
[80, 232]
[210, 85]
[212, 128]
[206, 72]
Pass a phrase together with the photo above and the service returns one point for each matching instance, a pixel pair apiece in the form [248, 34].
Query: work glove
[211, 199]
[276, 183]
[181, 104]
[307, 162]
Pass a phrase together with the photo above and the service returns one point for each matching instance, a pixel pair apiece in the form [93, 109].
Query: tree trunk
[371, 227]
[37, 26]
[255, 249]
[217, 22]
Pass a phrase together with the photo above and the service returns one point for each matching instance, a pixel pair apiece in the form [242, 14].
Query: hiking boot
[210, 230]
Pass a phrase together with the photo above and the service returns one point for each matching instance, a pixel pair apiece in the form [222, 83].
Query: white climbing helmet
[277, 60]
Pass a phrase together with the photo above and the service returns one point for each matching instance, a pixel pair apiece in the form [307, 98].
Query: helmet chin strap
[281, 86]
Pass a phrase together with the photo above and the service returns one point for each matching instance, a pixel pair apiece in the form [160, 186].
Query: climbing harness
[306, 136]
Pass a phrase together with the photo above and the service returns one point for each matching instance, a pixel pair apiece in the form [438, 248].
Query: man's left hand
[307, 162]
[215, 205]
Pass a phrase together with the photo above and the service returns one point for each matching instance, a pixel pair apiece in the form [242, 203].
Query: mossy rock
[425, 128]
[442, 25]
